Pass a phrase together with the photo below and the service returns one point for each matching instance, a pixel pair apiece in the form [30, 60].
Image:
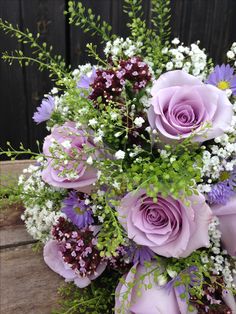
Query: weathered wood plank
[27, 285]
[10, 170]
[10, 215]
[14, 236]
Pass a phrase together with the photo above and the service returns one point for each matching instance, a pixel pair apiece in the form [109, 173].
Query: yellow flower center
[223, 85]
[78, 210]
[224, 176]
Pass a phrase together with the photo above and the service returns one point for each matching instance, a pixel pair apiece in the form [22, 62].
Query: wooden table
[27, 285]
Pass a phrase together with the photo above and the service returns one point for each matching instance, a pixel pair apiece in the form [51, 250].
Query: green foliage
[161, 19]
[10, 193]
[176, 174]
[145, 281]
[137, 25]
[154, 39]
[97, 298]
[13, 153]
[86, 19]
[111, 235]
[92, 52]
[41, 53]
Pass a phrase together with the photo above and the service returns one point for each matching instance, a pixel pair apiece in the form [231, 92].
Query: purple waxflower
[44, 111]
[87, 79]
[78, 210]
[223, 77]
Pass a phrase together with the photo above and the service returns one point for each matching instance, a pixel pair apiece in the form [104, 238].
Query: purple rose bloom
[227, 217]
[68, 140]
[182, 104]
[223, 77]
[53, 258]
[151, 301]
[77, 211]
[87, 79]
[44, 111]
[168, 227]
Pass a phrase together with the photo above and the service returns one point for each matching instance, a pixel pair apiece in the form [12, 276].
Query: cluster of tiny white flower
[193, 60]
[231, 54]
[96, 207]
[40, 213]
[221, 265]
[122, 47]
[84, 69]
[120, 154]
[220, 157]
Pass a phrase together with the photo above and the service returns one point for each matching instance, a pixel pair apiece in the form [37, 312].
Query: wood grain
[27, 285]
[10, 170]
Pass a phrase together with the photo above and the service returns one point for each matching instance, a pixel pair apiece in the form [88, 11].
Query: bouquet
[133, 195]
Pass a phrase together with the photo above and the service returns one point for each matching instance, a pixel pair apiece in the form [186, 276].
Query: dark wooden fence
[213, 22]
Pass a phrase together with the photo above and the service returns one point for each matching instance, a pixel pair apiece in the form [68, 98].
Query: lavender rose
[152, 301]
[53, 258]
[227, 218]
[182, 104]
[68, 141]
[167, 227]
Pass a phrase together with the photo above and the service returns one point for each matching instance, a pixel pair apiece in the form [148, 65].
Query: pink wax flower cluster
[72, 253]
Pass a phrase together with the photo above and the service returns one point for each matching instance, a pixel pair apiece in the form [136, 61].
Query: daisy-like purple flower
[222, 191]
[77, 210]
[140, 254]
[44, 111]
[223, 77]
[87, 79]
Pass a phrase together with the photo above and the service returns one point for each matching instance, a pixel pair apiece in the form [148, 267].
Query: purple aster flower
[140, 254]
[222, 191]
[44, 111]
[223, 77]
[77, 210]
[87, 79]
[232, 178]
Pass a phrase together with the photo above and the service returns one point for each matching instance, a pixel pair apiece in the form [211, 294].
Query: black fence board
[213, 22]
[13, 104]
[47, 18]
